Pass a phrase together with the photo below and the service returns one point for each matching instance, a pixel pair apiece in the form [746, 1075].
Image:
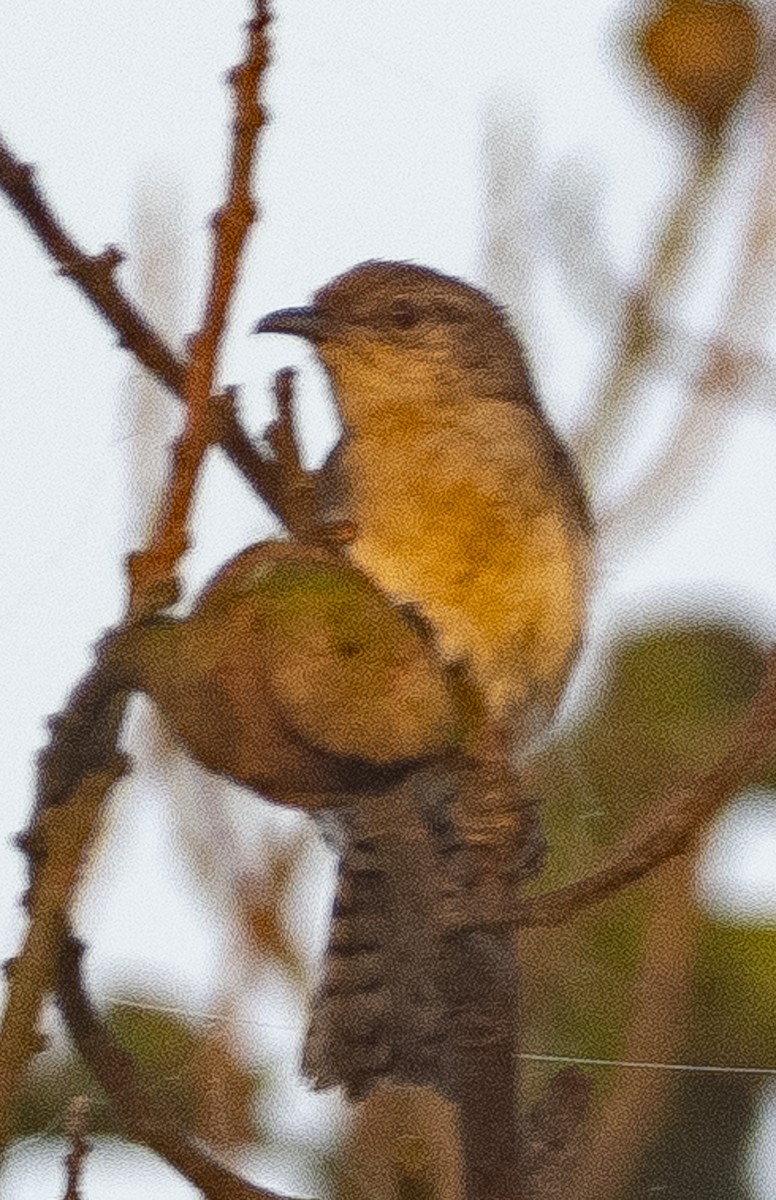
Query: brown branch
[261, 472]
[77, 1117]
[667, 832]
[298, 492]
[233, 220]
[142, 1115]
[482, 1069]
[298, 495]
[152, 571]
[74, 774]
[655, 838]
[61, 836]
[77, 770]
[95, 276]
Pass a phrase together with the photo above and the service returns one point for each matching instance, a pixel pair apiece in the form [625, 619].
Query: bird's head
[388, 332]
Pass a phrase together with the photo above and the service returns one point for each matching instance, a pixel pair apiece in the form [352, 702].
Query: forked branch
[144, 1119]
[77, 770]
[95, 276]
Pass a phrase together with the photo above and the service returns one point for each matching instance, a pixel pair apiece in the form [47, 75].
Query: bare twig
[667, 831]
[299, 492]
[299, 495]
[260, 470]
[143, 1117]
[655, 838]
[75, 773]
[153, 577]
[62, 836]
[494, 836]
[77, 1118]
[95, 275]
[482, 1076]
[80, 766]
[152, 571]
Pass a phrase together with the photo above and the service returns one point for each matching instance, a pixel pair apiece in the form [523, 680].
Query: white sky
[374, 151]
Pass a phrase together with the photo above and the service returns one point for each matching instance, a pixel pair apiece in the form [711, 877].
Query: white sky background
[374, 151]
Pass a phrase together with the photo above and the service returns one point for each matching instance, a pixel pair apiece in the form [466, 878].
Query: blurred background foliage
[656, 973]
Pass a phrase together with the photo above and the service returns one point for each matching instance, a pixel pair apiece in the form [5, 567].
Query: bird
[460, 499]
[452, 492]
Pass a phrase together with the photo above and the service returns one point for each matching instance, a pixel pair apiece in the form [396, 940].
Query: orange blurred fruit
[703, 54]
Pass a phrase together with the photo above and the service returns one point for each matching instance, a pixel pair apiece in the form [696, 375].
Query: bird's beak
[308, 323]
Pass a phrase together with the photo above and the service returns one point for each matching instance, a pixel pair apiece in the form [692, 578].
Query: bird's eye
[404, 314]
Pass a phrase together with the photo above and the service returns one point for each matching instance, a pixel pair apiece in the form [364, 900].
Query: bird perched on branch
[461, 499]
[456, 498]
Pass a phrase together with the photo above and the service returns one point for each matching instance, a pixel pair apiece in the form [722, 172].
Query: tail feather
[378, 1011]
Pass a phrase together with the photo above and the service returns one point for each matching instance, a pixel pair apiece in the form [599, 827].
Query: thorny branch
[155, 566]
[81, 764]
[75, 774]
[95, 275]
[143, 1117]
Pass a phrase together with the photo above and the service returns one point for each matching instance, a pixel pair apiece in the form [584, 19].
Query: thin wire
[281, 1027]
[649, 1066]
